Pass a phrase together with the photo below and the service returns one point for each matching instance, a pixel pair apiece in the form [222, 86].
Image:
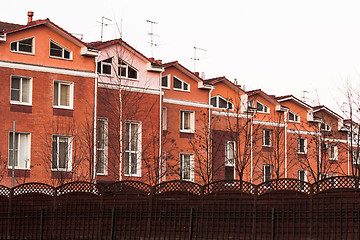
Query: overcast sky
[281, 46]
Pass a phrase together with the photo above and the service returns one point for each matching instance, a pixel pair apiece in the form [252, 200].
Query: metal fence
[279, 209]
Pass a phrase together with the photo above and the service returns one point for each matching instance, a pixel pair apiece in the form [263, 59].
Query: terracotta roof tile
[4, 26]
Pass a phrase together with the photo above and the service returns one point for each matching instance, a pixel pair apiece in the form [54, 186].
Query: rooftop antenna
[195, 58]
[103, 24]
[79, 34]
[151, 33]
[304, 98]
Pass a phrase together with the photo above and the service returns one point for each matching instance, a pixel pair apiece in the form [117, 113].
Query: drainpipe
[285, 140]
[160, 130]
[209, 134]
[95, 119]
[319, 163]
[251, 146]
[120, 131]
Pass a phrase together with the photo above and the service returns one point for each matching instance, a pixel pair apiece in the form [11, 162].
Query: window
[262, 108]
[187, 166]
[293, 117]
[132, 149]
[23, 46]
[164, 117]
[356, 157]
[220, 102]
[302, 145]
[230, 160]
[21, 90]
[58, 51]
[127, 71]
[61, 153]
[63, 94]
[19, 150]
[165, 81]
[325, 127]
[163, 166]
[187, 121]
[267, 172]
[333, 152]
[267, 137]
[181, 85]
[302, 175]
[102, 146]
[104, 67]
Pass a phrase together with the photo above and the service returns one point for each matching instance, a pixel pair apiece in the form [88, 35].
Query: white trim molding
[186, 103]
[303, 132]
[130, 89]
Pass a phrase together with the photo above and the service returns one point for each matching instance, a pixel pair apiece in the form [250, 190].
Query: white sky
[281, 46]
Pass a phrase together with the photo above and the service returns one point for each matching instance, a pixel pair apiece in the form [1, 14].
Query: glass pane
[106, 69]
[231, 150]
[164, 81]
[230, 106]
[123, 71]
[132, 73]
[64, 95]
[259, 107]
[177, 83]
[25, 45]
[12, 161]
[186, 166]
[15, 95]
[26, 90]
[13, 46]
[66, 54]
[55, 50]
[100, 161]
[63, 152]
[56, 94]
[134, 137]
[229, 173]
[54, 153]
[15, 83]
[127, 136]
[127, 160]
[186, 120]
[213, 101]
[23, 153]
[186, 86]
[133, 163]
[222, 103]
[100, 134]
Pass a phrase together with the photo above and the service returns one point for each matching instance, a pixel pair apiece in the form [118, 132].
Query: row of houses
[104, 112]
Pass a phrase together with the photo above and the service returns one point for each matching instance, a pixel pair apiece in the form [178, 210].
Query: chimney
[197, 74]
[30, 16]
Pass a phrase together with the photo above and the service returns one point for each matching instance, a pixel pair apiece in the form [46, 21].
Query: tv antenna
[79, 34]
[103, 24]
[151, 33]
[304, 98]
[195, 58]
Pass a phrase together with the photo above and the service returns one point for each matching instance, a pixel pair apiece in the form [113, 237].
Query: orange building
[47, 104]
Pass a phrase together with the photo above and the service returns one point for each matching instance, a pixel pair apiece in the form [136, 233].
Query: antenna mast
[103, 24]
[195, 58]
[151, 33]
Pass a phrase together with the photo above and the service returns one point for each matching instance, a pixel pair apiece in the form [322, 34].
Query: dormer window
[104, 67]
[262, 108]
[58, 51]
[181, 85]
[220, 102]
[127, 71]
[293, 117]
[23, 46]
[325, 127]
[165, 81]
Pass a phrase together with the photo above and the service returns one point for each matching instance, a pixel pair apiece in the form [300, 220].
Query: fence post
[191, 223]
[113, 223]
[311, 209]
[41, 224]
[150, 212]
[256, 192]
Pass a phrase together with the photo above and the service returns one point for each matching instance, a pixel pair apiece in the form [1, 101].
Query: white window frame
[263, 107]
[264, 138]
[27, 159]
[217, 103]
[182, 84]
[264, 172]
[327, 127]
[228, 161]
[62, 52]
[136, 151]
[71, 95]
[124, 64]
[305, 145]
[296, 117]
[302, 173]
[163, 166]
[100, 65]
[335, 156]
[191, 166]
[103, 150]
[167, 81]
[18, 43]
[21, 102]
[191, 128]
[164, 118]
[69, 152]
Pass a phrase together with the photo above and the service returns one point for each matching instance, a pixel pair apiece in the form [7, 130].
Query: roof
[294, 99]
[214, 81]
[176, 64]
[268, 97]
[324, 108]
[11, 28]
[4, 26]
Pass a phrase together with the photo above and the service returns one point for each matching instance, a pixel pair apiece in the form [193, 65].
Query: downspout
[120, 131]
[209, 136]
[285, 140]
[348, 153]
[251, 146]
[319, 164]
[160, 129]
[95, 118]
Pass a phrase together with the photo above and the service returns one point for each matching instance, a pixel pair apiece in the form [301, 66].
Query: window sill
[27, 53]
[181, 90]
[132, 175]
[187, 131]
[61, 170]
[302, 153]
[60, 58]
[21, 169]
[130, 79]
[20, 103]
[102, 174]
[165, 87]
